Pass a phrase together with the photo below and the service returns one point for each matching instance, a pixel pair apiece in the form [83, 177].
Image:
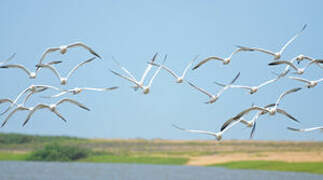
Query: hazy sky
[132, 31]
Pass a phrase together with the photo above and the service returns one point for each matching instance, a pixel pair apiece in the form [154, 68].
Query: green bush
[57, 152]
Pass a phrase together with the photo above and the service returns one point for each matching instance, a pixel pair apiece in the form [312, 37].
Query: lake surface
[12, 170]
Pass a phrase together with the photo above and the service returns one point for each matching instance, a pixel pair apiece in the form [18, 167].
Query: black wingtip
[235, 78]
[273, 63]
[195, 67]
[304, 27]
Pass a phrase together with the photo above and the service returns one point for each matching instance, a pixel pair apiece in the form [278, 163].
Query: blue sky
[132, 31]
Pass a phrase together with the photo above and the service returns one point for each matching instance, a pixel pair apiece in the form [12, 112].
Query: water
[11, 170]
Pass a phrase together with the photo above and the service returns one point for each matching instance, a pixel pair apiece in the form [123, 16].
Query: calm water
[79, 171]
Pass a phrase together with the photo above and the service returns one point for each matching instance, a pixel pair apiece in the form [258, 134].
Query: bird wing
[5, 100]
[220, 84]
[299, 79]
[80, 44]
[188, 66]
[288, 115]
[33, 110]
[58, 95]
[239, 86]
[206, 60]
[227, 86]
[13, 112]
[283, 62]
[239, 50]
[47, 87]
[123, 68]
[79, 65]
[59, 115]
[235, 78]
[27, 97]
[242, 113]
[126, 78]
[72, 102]
[253, 130]
[200, 89]
[285, 93]
[50, 67]
[167, 69]
[292, 39]
[227, 123]
[49, 50]
[16, 100]
[316, 61]
[295, 129]
[267, 82]
[8, 59]
[195, 131]
[231, 125]
[257, 49]
[147, 70]
[157, 71]
[19, 66]
[100, 89]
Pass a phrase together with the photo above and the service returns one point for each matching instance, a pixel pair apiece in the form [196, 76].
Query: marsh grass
[310, 167]
[136, 159]
[12, 156]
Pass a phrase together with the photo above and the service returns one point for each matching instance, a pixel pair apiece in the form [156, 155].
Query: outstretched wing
[72, 102]
[292, 39]
[206, 60]
[79, 65]
[200, 89]
[19, 66]
[257, 49]
[80, 44]
[195, 131]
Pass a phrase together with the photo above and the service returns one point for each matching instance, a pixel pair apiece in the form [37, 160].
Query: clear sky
[132, 31]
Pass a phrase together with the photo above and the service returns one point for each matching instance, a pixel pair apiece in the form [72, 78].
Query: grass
[10, 156]
[310, 167]
[156, 151]
[136, 159]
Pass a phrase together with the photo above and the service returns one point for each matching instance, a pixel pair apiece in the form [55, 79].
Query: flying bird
[309, 84]
[270, 108]
[217, 135]
[252, 89]
[212, 97]
[75, 91]
[298, 70]
[32, 75]
[63, 80]
[278, 54]
[32, 89]
[143, 77]
[19, 107]
[179, 79]
[8, 59]
[224, 60]
[140, 84]
[252, 122]
[63, 49]
[53, 108]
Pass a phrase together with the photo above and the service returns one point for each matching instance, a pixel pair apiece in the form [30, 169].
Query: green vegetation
[57, 152]
[310, 167]
[20, 147]
[10, 156]
[13, 138]
[136, 159]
